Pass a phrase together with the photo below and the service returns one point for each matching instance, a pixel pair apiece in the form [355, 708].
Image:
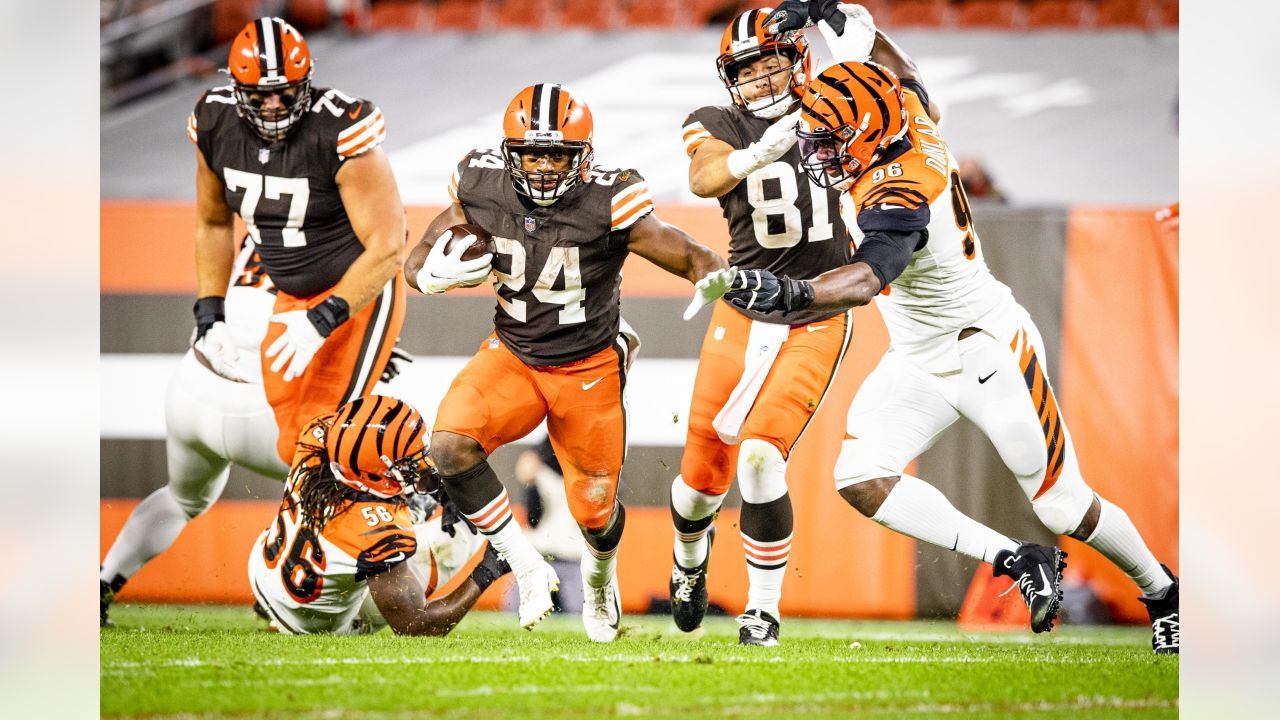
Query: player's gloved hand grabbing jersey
[213, 339]
[762, 291]
[443, 271]
[305, 331]
[777, 139]
[709, 289]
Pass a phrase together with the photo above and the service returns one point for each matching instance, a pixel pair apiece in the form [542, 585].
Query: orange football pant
[497, 398]
[795, 385]
[348, 365]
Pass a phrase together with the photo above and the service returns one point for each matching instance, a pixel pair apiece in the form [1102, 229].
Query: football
[483, 245]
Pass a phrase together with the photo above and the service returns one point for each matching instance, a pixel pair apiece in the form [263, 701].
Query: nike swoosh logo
[888, 206]
[395, 558]
[356, 113]
[588, 386]
[1047, 588]
[982, 380]
[816, 328]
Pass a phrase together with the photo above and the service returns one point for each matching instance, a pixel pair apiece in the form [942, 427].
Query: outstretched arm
[880, 259]
[672, 249]
[887, 53]
[402, 601]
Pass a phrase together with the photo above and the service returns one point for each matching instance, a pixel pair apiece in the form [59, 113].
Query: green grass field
[214, 662]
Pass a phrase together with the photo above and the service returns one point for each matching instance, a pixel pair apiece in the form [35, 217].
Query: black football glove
[490, 568]
[762, 291]
[792, 15]
[398, 355]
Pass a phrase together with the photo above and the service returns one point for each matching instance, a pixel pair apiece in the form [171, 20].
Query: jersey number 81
[784, 205]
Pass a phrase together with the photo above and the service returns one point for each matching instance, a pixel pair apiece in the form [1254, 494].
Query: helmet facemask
[295, 97]
[791, 63]
[544, 187]
[826, 158]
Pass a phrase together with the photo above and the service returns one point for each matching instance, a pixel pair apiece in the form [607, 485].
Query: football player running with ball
[960, 344]
[336, 559]
[761, 375]
[562, 229]
[302, 167]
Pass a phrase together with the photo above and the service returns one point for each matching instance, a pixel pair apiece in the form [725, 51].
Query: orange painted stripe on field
[147, 247]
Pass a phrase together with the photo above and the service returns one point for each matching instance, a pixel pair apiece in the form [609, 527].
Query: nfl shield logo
[528, 223]
[493, 343]
[264, 154]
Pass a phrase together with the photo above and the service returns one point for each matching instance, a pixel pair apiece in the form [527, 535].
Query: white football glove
[854, 43]
[218, 348]
[777, 139]
[710, 288]
[300, 342]
[445, 271]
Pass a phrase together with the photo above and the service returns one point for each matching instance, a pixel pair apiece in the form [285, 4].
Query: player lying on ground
[210, 423]
[562, 229]
[960, 344]
[337, 557]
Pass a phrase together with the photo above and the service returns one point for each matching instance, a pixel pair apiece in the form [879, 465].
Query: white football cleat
[601, 610]
[536, 586]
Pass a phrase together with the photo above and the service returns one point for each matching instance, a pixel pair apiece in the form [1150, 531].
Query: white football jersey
[947, 285]
[313, 581]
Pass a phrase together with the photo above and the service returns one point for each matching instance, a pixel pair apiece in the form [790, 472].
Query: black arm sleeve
[888, 253]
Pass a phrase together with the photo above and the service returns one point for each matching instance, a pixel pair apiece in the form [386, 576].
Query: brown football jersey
[286, 191]
[778, 220]
[558, 268]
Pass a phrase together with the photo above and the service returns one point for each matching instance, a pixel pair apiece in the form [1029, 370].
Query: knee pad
[762, 472]
[1063, 507]
[691, 504]
[860, 460]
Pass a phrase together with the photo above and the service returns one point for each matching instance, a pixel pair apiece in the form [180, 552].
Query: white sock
[150, 530]
[691, 548]
[916, 508]
[597, 567]
[1118, 541]
[496, 523]
[766, 569]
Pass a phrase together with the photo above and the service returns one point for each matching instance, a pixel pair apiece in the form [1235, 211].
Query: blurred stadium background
[1066, 108]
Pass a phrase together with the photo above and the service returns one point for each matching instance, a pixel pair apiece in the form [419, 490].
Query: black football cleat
[1163, 611]
[757, 627]
[688, 590]
[1037, 573]
[107, 595]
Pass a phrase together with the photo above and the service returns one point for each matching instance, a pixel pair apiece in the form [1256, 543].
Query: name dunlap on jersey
[947, 286]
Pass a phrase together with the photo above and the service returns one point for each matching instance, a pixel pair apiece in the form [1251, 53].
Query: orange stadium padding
[992, 603]
[1119, 381]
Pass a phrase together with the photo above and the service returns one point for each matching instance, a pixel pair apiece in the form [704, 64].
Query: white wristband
[743, 162]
